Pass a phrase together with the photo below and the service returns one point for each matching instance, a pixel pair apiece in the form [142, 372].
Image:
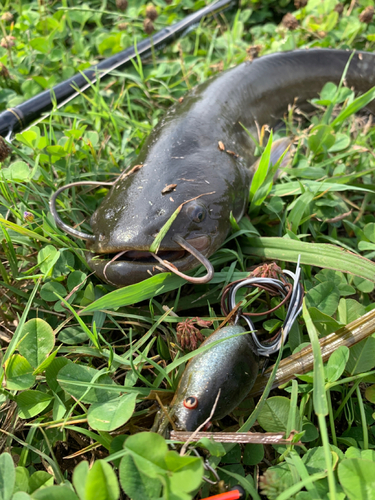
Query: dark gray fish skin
[231, 366]
[183, 150]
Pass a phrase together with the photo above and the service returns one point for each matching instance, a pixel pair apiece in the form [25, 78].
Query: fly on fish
[216, 380]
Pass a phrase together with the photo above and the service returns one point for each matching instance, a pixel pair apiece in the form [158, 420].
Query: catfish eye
[197, 213]
[191, 402]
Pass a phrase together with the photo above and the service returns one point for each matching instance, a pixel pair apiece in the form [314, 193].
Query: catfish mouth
[140, 256]
[131, 266]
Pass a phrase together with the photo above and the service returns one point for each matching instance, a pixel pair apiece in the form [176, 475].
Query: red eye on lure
[191, 402]
[236, 493]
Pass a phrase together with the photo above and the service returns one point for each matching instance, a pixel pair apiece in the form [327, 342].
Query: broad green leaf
[72, 336]
[148, 451]
[31, 403]
[274, 415]
[37, 341]
[342, 142]
[22, 479]
[253, 454]
[48, 290]
[55, 493]
[29, 137]
[40, 479]
[324, 323]
[137, 485]
[79, 478]
[76, 380]
[300, 206]
[369, 231]
[75, 279]
[52, 371]
[363, 285]
[216, 449]
[233, 456]
[370, 393]
[362, 356]
[101, 482]
[21, 495]
[314, 460]
[349, 310]
[357, 478]
[18, 373]
[321, 138]
[353, 452]
[7, 476]
[328, 92]
[324, 297]
[187, 472]
[41, 44]
[112, 414]
[47, 257]
[336, 364]
[18, 171]
[311, 432]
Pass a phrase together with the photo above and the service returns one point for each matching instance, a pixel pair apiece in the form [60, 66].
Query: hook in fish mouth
[132, 266]
[197, 254]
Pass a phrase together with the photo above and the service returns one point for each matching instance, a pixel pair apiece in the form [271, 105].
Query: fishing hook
[208, 467]
[202, 259]
[286, 290]
[59, 222]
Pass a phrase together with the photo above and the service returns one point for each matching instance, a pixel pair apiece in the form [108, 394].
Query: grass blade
[312, 254]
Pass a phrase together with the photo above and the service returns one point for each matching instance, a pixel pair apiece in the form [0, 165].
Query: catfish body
[230, 366]
[183, 151]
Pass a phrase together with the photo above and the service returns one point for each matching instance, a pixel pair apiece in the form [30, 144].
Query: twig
[165, 411]
[234, 437]
[169, 310]
[196, 432]
[303, 361]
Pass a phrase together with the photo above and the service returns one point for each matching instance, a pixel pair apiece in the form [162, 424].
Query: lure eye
[197, 213]
[191, 402]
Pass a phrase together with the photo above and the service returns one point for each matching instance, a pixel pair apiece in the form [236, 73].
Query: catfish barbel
[182, 165]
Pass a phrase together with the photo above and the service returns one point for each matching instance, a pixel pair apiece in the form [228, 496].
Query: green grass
[108, 353]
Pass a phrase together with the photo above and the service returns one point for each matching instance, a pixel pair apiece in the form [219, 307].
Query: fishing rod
[33, 110]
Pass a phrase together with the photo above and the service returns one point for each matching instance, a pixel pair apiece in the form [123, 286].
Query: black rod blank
[19, 117]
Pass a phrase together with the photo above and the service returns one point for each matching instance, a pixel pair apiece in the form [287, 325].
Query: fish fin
[278, 148]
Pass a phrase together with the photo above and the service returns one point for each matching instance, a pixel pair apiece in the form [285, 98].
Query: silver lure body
[230, 366]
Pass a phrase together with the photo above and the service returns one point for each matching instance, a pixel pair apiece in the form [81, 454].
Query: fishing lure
[231, 363]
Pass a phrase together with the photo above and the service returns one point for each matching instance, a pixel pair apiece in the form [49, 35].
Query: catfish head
[179, 167]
